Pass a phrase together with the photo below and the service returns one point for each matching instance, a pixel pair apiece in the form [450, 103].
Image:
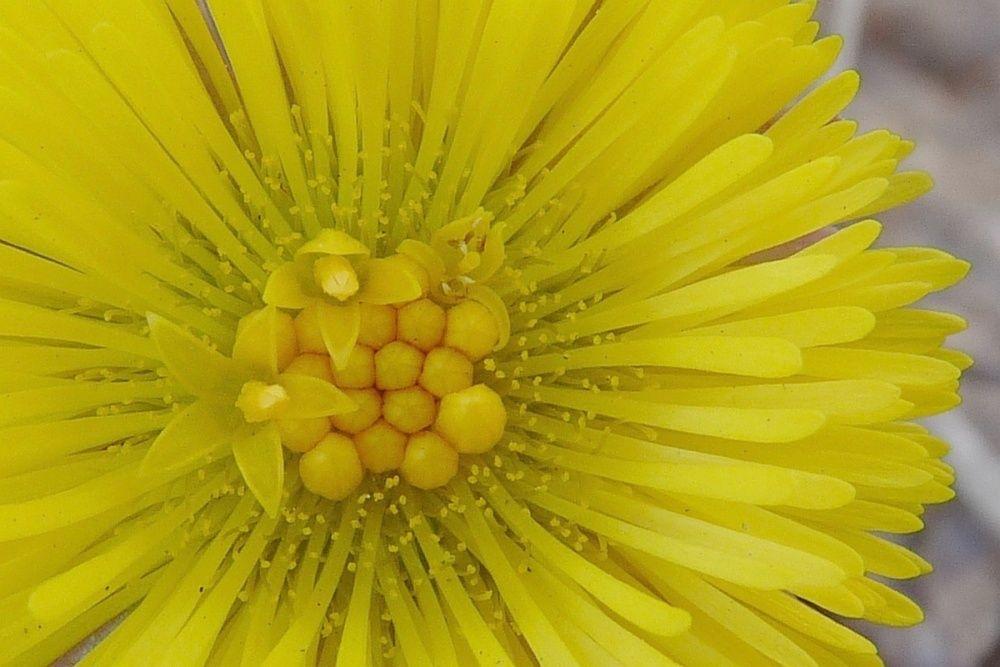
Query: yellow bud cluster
[410, 376]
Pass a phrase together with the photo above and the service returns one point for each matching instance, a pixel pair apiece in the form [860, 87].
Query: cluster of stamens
[410, 376]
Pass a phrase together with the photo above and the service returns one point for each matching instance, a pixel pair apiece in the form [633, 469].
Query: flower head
[453, 333]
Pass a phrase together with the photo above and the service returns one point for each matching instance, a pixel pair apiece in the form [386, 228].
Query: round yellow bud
[445, 371]
[332, 468]
[429, 461]
[260, 401]
[471, 329]
[307, 331]
[358, 372]
[313, 365]
[336, 277]
[380, 447]
[369, 404]
[288, 346]
[301, 435]
[397, 366]
[421, 324]
[472, 420]
[410, 410]
[378, 325]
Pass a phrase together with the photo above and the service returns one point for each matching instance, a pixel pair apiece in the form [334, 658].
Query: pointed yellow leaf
[284, 288]
[191, 363]
[262, 463]
[256, 344]
[339, 326]
[196, 432]
[333, 242]
[311, 397]
[384, 281]
[425, 256]
[493, 255]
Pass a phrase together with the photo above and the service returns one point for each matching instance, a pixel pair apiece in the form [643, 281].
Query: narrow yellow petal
[332, 242]
[261, 460]
[386, 281]
[193, 364]
[194, 434]
[284, 287]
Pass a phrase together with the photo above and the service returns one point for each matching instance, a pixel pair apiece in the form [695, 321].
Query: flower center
[260, 401]
[410, 375]
[336, 277]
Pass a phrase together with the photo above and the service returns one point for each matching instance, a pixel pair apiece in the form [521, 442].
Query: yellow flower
[455, 333]
[332, 276]
[238, 401]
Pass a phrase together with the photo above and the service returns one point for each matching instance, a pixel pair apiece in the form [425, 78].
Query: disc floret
[375, 330]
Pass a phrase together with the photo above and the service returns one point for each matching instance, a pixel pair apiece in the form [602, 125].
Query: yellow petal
[191, 363]
[493, 255]
[284, 288]
[333, 242]
[339, 326]
[311, 397]
[384, 281]
[259, 456]
[256, 344]
[195, 433]
[493, 303]
[425, 256]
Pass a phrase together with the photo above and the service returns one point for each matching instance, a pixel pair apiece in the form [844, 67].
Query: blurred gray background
[931, 71]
